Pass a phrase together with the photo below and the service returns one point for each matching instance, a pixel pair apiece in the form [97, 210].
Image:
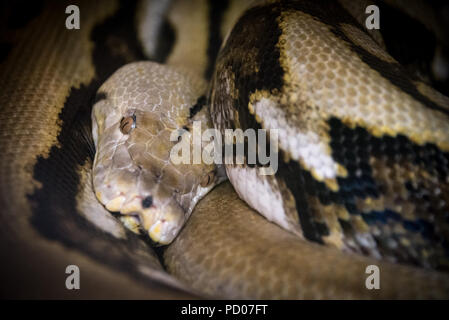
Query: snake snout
[162, 223]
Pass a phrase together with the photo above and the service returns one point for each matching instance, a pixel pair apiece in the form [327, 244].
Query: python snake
[359, 169]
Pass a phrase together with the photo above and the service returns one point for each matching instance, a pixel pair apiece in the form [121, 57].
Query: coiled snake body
[363, 160]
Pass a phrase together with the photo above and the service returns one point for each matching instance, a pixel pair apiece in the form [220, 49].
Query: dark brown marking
[216, 11]
[200, 103]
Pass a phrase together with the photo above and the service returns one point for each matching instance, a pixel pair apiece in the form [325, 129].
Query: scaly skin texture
[49, 216]
[327, 87]
[233, 252]
[133, 173]
[363, 163]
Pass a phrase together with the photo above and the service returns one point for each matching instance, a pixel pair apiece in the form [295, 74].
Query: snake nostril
[147, 202]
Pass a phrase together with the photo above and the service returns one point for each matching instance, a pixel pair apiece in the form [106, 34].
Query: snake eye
[127, 124]
[207, 179]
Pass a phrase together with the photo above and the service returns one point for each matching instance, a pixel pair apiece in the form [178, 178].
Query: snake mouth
[160, 232]
[145, 205]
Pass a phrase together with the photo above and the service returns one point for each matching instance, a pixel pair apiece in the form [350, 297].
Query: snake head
[133, 173]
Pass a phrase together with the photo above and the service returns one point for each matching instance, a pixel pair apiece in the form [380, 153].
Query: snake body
[351, 134]
[365, 184]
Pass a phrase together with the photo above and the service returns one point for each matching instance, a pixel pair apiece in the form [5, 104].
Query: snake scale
[363, 161]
